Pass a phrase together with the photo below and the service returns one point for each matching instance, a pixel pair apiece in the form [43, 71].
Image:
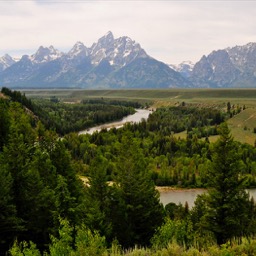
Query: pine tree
[139, 210]
[228, 203]
[97, 198]
[10, 224]
[4, 122]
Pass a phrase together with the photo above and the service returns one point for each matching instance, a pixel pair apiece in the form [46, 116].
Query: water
[135, 118]
[189, 195]
[180, 196]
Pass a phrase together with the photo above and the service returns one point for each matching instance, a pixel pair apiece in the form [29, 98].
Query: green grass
[169, 95]
[242, 126]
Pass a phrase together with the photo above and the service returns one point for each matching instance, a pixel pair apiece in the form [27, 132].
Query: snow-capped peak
[45, 54]
[118, 52]
[104, 42]
[185, 68]
[6, 61]
[79, 49]
[108, 37]
[185, 64]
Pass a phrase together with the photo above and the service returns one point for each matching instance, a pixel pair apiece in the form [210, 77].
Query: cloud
[171, 31]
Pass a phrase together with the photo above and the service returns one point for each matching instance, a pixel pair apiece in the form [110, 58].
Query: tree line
[64, 118]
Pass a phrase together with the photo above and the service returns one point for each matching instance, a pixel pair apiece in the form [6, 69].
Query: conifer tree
[228, 202]
[139, 208]
[97, 198]
[10, 224]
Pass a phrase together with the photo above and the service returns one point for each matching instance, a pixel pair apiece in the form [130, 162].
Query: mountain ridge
[108, 63]
[232, 67]
[123, 63]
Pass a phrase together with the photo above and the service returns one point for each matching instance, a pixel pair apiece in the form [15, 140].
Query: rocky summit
[123, 63]
[230, 67]
[108, 63]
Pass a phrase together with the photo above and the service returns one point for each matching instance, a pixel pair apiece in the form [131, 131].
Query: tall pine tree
[139, 210]
[228, 202]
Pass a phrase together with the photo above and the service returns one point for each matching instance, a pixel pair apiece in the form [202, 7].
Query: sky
[171, 31]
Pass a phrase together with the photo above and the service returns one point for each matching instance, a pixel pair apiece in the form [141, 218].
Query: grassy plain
[241, 125]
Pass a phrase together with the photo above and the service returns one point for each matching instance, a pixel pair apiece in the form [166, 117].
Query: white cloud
[171, 31]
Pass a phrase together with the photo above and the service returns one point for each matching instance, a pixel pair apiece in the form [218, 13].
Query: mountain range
[122, 63]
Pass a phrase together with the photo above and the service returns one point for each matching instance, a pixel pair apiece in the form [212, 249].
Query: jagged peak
[42, 50]
[78, 49]
[6, 57]
[45, 54]
[109, 34]
[79, 43]
[107, 39]
[6, 61]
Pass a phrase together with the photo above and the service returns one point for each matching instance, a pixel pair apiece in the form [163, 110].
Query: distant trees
[181, 118]
[65, 118]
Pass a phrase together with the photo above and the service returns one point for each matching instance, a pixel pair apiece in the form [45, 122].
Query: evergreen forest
[68, 194]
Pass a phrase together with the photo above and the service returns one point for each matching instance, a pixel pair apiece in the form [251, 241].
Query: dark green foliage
[228, 107]
[4, 122]
[17, 96]
[43, 200]
[140, 211]
[228, 202]
[107, 102]
[64, 118]
[174, 211]
[10, 223]
[177, 119]
[225, 210]
[97, 208]
[172, 161]
[35, 170]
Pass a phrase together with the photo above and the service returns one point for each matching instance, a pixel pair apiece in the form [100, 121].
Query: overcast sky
[170, 31]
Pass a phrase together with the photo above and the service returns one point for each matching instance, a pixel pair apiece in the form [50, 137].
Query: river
[182, 195]
[134, 118]
[166, 195]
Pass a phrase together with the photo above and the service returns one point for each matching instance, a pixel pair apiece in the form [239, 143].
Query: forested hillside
[64, 118]
[45, 208]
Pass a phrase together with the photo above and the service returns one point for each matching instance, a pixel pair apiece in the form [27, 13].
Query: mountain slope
[108, 63]
[231, 67]
[6, 61]
[123, 63]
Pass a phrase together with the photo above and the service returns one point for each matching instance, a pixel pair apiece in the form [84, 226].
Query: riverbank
[167, 189]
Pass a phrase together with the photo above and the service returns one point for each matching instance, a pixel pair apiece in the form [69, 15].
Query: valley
[192, 139]
[241, 125]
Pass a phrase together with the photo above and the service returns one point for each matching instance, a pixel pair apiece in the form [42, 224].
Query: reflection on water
[189, 195]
